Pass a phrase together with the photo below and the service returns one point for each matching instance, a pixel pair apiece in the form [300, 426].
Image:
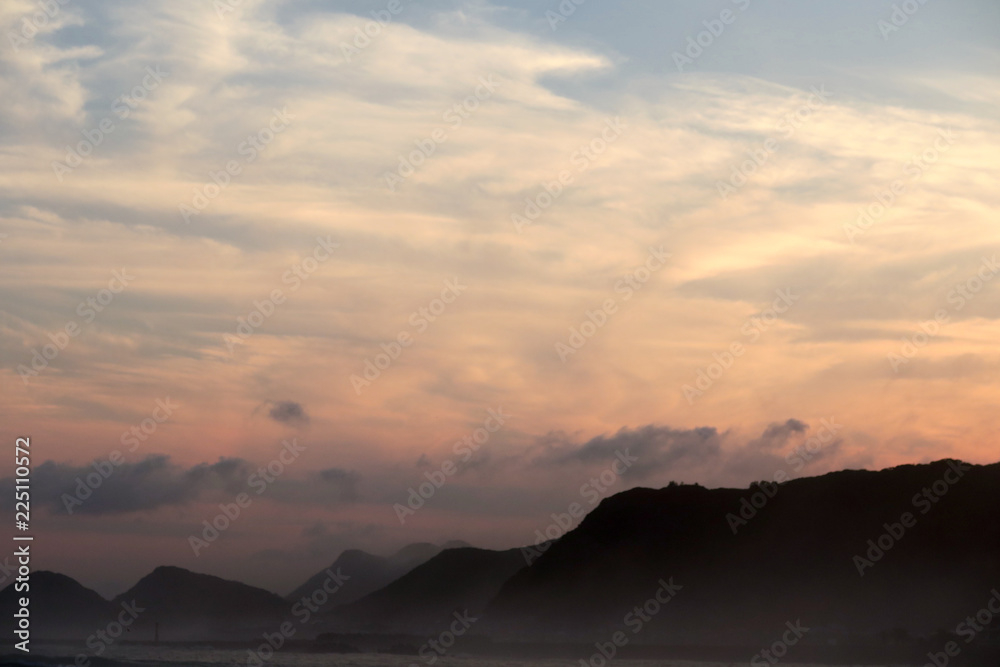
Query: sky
[375, 245]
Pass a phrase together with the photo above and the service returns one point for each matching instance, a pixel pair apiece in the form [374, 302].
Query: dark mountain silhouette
[860, 558]
[190, 606]
[423, 601]
[792, 559]
[366, 572]
[61, 608]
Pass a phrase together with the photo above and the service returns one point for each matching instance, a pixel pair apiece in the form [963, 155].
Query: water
[52, 655]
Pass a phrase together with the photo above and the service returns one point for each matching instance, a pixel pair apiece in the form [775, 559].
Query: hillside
[424, 600]
[794, 559]
[61, 608]
[365, 572]
[189, 606]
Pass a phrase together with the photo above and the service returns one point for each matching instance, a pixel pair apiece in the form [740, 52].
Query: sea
[63, 655]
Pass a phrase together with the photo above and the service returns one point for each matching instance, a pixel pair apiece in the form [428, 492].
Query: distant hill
[367, 573]
[860, 558]
[423, 601]
[60, 607]
[793, 558]
[191, 606]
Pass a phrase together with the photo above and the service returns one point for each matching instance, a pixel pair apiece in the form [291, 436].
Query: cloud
[762, 457]
[149, 484]
[452, 217]
[776, 435]
[658, 448]
[344, 482]
[288, 412]
[156, 482]
[704, 454]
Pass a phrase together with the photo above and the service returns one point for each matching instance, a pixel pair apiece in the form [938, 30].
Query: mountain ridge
[903, 551]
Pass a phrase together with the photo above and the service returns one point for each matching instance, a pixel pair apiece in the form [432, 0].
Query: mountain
[423, 601]
[60, 608]
[902, 556]
[908, 550]
[191, 606]
[367, 573]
